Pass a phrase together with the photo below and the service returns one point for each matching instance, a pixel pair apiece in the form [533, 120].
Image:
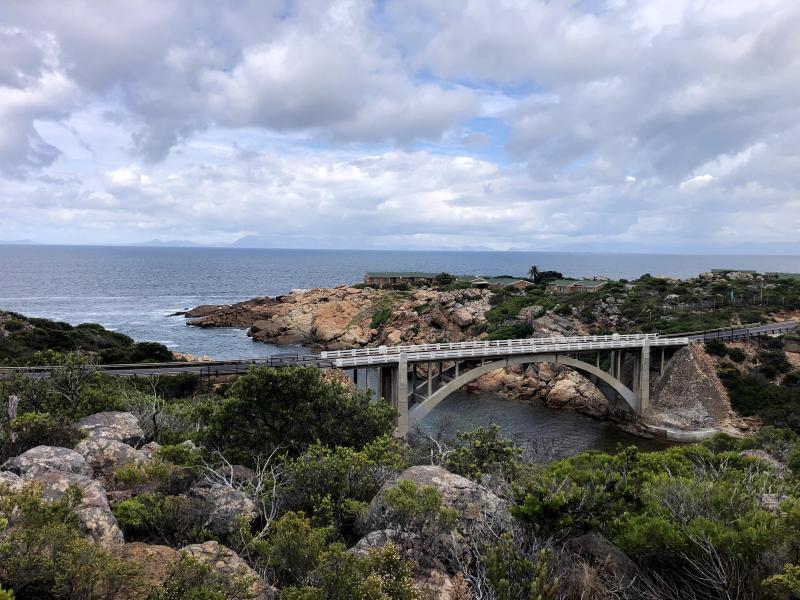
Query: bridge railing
[526, 342]
[480, 353]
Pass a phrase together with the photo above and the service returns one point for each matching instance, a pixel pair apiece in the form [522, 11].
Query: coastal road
[738, 333]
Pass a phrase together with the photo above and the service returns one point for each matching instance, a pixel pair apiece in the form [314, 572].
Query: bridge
[416, 378]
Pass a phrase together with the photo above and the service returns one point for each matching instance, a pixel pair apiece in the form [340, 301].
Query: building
[574, 286]
[498, 283]
[384, 278]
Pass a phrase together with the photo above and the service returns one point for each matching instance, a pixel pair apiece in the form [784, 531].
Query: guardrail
[466, 353]
[482, 344]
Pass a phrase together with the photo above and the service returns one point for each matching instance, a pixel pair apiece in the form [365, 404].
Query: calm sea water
[134, 290]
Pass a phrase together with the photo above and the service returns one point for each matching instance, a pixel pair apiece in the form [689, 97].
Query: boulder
[576, 392]
[96, 520]
[224, 506]
[599, 552]
[149, 449]
[225, 561]
[105, 455]
[478, 509]
[121, 426]
[43, 459]
[10, 481]
[155, 562]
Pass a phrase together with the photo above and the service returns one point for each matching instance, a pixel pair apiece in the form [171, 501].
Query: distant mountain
[18, 243]
[173, 244]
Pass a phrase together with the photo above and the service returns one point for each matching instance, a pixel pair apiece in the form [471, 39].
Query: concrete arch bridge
[415, 379]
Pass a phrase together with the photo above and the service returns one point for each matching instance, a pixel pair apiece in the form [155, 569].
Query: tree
[291, 408]
[533, 271]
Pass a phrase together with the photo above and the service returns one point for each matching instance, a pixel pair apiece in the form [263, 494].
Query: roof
[500, 280]
[400, 274]
[578, 282]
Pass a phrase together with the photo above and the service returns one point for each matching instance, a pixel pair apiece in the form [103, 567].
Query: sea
[138, 290]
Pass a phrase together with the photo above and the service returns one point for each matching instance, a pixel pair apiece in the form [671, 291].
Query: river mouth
[545, 433]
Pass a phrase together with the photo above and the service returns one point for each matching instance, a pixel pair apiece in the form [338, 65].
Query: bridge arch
[419, 412]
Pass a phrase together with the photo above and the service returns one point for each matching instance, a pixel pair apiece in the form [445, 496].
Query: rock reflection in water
[548, 433]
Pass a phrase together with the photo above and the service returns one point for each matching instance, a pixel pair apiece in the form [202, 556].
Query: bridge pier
[401, 396]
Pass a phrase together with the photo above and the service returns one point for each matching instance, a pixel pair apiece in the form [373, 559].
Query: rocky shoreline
[351, 317]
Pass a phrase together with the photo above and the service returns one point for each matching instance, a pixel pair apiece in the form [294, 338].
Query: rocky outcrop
[689, 396]
[150, 449]
[224, 507]
[112, 425]
[343, 316]
[95, 518]
[600, 553]
[225, 561]
[105, 456]
[575, 392]
[478, 509]
[43, 459]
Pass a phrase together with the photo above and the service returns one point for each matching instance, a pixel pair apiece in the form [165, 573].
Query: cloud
[523, 123]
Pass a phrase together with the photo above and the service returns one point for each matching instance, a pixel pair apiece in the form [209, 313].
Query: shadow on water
[550, 432]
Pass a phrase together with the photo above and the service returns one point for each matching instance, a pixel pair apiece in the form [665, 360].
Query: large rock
[43, 459]
[225, 561]
[105, 455]
[95, 517]
[120, 426]
[599, 552]
[155, 562]
[478, 509]
[575, 392]
[10, 481]
[225, 506]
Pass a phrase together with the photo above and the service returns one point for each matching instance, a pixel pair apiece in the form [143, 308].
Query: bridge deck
[492, 353]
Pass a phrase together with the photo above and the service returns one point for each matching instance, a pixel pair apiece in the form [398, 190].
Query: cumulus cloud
[521, 123]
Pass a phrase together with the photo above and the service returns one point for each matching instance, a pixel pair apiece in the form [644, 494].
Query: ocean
[134, 290]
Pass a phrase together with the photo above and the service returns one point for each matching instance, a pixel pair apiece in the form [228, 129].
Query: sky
[572, 125]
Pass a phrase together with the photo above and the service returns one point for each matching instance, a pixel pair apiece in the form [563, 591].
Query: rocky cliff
[348, 317]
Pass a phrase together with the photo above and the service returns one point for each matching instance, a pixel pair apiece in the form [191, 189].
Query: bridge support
[401, 396]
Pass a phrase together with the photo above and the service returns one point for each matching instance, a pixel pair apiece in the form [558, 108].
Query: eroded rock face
[575, 392]
[43, 459]
[97, 522]
[224, 506]
[105, 455]
[225, 561]
[478, 509]
[113, 425]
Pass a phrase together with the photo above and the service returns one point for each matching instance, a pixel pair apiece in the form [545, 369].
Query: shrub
[156, 518]
[34, 429]
[43, 557]
[292, 408]
[737, 355]
[380, 317]
[483, 451]
[380, 575]
[334, 485]
[418, 510]
[514, 575]
[716, 348]
[773, 363]
[191, 579]
[294, 548]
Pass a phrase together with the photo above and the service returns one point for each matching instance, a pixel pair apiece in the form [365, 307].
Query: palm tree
[533, 271]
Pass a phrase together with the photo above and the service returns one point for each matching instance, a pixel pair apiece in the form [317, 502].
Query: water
[134, 290]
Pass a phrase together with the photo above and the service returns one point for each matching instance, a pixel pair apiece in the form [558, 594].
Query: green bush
[484, 451]
[155, 518]
[737, 355]
[716, 348]
[512, 574]
[334, 484]
[294, 548]
[35, 429]
[418, 510]
[191, 579]
[380, 317]
[292, 408]
[42, 556]
[772, 363]
[340, 575]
